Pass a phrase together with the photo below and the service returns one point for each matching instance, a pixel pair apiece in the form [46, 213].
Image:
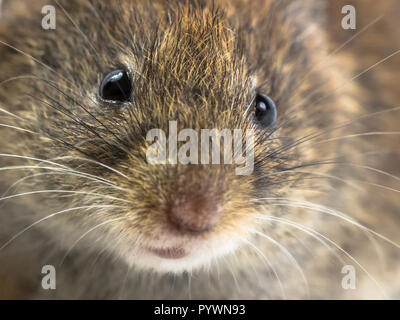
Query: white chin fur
[197, 257]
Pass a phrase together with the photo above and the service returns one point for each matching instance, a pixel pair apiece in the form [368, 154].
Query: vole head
[93, 88]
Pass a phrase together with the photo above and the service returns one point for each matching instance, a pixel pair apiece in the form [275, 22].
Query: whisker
[86, 233]
[310, 232]
[375, 65]
[68, 113]
[354, 165]
[291, 258]
[51, 216]
[265, 260]
[329, 176]
[319, 208]
[11, 114]
[337, 163]
[25, 76]
[81, 32]
[319, 133]
[8, 155]
[231, 270]
[63, 110]
[85, 175]
[17, 128]
[296, 225]
[334, 52]
[377, 133]
[35, 60]
[63, 167]
[95, 162]
[324, 175]
[55, 86]
[45, 174]
[345, 82]
[61, 191]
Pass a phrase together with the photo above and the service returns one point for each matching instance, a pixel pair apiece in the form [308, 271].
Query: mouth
[169, 253]
[179, 255]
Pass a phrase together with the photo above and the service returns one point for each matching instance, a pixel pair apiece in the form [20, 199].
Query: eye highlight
[116, 87]
[265, 110]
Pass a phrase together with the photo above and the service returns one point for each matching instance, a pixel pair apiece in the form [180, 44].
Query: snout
[194, 208]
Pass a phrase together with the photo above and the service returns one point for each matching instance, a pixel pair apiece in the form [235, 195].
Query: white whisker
[296, 225]
[51, 216]
[319, 208]
[61, 191]
[291, 258]
[46, 174]
[357, 135]
[346, 82]
[86, 233]
[344, 44]
[17, 128]
[95, 162]
[11, 114]
[98, 179]
[265, 260]
[35, 60]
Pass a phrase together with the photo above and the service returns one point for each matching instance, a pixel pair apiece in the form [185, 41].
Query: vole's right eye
[116, 87]
[265, 110]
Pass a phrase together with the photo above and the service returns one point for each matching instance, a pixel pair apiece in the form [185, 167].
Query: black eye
[116, 87]
[265, 110]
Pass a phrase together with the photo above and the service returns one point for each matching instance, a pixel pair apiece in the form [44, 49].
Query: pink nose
[193, 212]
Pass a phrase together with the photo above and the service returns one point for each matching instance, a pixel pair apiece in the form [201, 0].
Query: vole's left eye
[265, 110]
[116, 87]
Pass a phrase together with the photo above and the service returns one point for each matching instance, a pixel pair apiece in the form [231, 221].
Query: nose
[193, 211]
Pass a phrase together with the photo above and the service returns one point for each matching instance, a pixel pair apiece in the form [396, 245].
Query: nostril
[193, 213]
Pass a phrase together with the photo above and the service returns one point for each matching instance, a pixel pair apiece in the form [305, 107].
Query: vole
[317, 217]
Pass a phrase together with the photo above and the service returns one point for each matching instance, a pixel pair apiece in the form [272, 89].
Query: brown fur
[200, 64]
